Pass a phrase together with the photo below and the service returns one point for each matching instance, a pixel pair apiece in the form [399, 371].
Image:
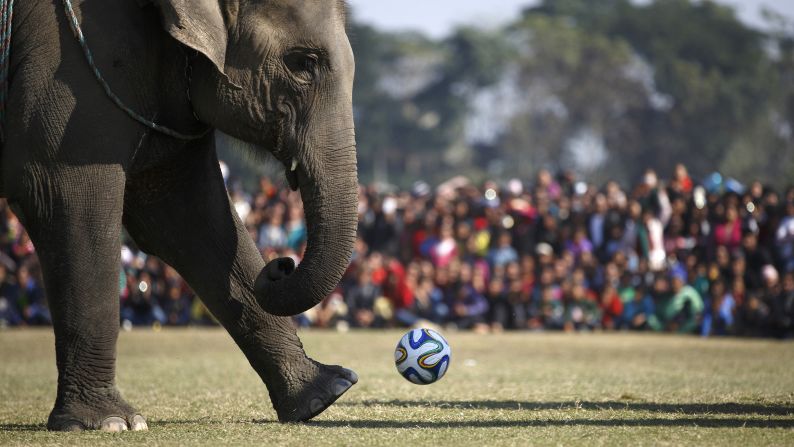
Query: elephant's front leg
[73, 215]
[189, 222]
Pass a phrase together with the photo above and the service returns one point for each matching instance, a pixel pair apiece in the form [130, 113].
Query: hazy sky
[437, 17]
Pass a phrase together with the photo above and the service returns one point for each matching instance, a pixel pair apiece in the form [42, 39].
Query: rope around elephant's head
[78, 32]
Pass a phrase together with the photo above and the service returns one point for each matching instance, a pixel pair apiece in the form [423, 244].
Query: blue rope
[6, 20]
[116, 100]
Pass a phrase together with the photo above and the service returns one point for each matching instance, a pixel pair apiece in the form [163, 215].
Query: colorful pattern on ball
[422, 356]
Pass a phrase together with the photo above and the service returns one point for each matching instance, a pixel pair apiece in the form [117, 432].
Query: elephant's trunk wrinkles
[330, 203]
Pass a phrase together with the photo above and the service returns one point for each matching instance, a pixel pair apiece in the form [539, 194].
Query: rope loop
[6, 20]
[78, 33]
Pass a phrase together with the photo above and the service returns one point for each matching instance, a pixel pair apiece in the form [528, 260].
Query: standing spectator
[784, 239]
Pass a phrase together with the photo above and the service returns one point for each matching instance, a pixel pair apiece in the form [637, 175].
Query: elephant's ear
[199, 25]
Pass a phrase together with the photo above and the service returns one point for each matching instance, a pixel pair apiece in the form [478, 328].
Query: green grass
[195, 387]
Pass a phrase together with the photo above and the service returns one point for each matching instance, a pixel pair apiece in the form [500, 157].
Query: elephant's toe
[113, 424]
[321, 394]
[139, 423]
[105, 411]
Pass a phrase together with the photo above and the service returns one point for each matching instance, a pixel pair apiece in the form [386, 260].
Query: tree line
[605, 89]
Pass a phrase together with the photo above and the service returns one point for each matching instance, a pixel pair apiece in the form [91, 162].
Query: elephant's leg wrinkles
[194, 228]
[73, 215]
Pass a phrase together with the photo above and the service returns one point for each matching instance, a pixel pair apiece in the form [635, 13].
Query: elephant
[78, 170]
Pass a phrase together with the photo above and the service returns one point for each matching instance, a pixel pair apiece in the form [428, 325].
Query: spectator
[550, 255]
[30, 298]
[581, 311]
[720, 308]
[361, 299]
[681, 310]
[10, 313]
[503, 253]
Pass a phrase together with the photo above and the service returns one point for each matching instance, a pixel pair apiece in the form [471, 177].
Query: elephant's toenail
[139, 423]
[114, 425]
[316, 405]
[351, 375]
[340, 386]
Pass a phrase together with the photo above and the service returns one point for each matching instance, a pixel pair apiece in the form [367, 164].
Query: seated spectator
[783, 308]
[469, 309]
[142, 307]
[176, 306]
[638, 310]
[611, 308]
[31, 299]
[445, 249]
[360, 300]
[581, 311]
[718, 318]
[682, 310]
[10, 313]
[729, 232]
[579, 244]
[272, 234]
[503, 253]
[429, 304]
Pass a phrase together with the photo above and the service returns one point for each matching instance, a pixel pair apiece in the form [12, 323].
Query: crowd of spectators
[712, 257]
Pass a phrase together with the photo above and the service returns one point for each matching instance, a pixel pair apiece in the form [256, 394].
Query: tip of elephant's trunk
[275, 274]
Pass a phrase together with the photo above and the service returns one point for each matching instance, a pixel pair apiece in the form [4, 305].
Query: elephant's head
[279, 74]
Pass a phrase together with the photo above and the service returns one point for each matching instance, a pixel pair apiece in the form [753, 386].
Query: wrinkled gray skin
[276, 73]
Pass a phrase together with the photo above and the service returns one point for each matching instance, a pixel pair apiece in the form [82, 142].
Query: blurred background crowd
[601, 89]
[708, 257]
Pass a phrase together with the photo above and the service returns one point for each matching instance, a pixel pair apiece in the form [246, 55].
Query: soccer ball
[422, 356]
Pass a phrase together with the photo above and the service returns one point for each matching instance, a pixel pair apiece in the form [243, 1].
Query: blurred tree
[578, 90]
[412, 97]
[713, 78]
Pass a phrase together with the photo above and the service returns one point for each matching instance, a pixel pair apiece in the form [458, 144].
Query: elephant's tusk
[294, 165]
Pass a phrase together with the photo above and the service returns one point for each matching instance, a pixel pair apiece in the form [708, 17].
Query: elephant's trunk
[330, 201]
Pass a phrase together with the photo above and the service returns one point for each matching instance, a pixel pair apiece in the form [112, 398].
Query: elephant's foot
[313, 392]
[104, 410]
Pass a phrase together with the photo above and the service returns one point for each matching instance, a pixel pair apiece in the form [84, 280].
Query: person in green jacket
[682, 310]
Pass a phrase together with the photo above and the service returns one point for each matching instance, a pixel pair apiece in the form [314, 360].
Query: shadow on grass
[680, 408]
[23, 427]
[491, 423]
[499, 423]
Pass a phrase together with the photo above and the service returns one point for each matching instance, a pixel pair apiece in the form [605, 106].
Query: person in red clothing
[682, 178]
[612, 308]
[395, 288]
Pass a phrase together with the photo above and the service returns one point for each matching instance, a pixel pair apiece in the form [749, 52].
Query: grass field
[195, 387]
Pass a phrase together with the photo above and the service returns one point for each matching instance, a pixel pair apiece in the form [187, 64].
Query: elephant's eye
[302, 65]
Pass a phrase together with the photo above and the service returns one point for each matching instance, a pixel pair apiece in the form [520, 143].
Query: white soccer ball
[422, 356]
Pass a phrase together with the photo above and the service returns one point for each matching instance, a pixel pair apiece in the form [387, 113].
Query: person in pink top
[729, 233]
